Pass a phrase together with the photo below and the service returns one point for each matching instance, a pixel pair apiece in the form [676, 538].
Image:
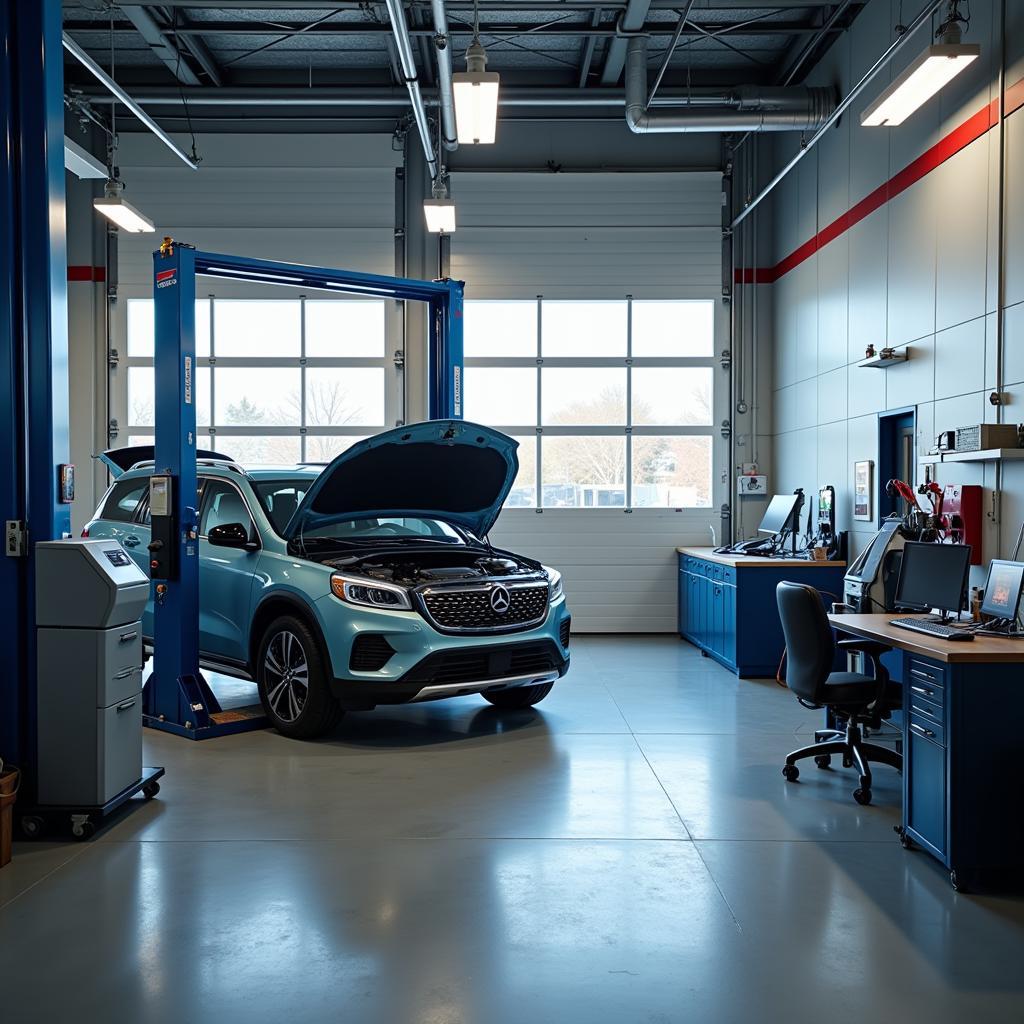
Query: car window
[222, 504]
[281, 498]
[124, 499]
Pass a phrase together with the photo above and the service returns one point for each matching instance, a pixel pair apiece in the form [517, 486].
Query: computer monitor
[1003, 589]
[779, 513]
[933, 576]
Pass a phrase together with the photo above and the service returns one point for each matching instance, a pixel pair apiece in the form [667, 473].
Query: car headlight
[554, 583]
[369, 593]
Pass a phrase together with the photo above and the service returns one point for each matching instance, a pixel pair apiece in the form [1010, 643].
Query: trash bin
[8, 792]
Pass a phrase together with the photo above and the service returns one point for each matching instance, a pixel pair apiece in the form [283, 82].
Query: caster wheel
[847, 762]
[150, 790]
[862, 796]
[31, 826]
[790, 772]
[906, 842]
[83, 829]
[823, 760]
[957, 881]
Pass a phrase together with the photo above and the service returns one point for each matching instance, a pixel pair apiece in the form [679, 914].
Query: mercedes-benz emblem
[500, 599]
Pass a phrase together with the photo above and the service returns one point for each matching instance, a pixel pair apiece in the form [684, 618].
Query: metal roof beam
[147, 27]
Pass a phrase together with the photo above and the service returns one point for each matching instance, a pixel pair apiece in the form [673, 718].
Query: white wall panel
[960, 359]
[832, 395]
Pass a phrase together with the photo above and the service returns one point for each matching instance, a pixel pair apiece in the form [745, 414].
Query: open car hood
[120, 460]
[450, 470]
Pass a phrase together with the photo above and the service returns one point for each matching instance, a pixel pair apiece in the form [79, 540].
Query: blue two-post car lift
[176, 697]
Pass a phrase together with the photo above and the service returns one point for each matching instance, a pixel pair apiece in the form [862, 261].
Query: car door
[225, 574]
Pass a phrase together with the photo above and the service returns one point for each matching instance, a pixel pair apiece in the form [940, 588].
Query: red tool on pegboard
[961, 512]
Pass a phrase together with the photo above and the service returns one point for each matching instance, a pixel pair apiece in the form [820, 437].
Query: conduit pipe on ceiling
[403, 44]
[445, 92]
[745, 108]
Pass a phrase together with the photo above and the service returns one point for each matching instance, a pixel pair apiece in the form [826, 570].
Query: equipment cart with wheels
[89, 601]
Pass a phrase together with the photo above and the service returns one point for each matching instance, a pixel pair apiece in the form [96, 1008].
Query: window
[222, 504]
[277, 381]
[124, 499]
[612, 401]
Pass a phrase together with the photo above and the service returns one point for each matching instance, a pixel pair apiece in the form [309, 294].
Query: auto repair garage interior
[509, 509]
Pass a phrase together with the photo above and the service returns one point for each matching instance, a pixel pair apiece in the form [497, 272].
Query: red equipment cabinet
[961, 508]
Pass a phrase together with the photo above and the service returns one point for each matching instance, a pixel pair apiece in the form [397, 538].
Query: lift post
[177, 698]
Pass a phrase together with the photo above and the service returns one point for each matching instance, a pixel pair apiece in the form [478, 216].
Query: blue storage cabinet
[727, 605]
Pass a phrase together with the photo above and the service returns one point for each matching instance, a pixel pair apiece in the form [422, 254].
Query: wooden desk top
[742, 561]
[991, 649]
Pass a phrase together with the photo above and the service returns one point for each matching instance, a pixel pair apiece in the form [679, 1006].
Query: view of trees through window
[277, 381]
[611, 401]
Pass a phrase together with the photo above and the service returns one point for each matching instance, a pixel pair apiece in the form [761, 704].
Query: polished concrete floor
[627, 852]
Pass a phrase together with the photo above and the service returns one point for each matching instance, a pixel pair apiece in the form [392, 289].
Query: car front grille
[471, 610]
[477, 665]
[370, 653]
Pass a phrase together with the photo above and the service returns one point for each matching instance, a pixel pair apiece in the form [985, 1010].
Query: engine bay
[413, 569]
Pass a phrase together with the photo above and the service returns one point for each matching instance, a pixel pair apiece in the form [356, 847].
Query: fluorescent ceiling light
[80, 162]
[939, 64]
[114, 207]
[476, 98]
[440, 214]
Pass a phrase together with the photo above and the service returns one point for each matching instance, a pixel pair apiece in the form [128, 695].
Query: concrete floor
[627, 852]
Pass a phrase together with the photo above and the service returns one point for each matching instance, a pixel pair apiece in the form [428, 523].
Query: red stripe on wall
[948, 146]
[76, 273]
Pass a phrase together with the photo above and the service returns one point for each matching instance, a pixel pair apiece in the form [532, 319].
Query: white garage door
[593, 326]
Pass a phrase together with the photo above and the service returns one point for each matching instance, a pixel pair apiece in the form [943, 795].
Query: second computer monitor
[779, 513]
[933, 576]
[1003, 589]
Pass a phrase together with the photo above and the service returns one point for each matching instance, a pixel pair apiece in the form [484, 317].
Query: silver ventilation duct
[445, 93]
[744, 108]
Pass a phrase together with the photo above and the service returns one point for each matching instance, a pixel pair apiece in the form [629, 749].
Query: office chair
[859, 699]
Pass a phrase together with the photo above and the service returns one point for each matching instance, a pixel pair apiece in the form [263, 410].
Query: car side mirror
[231, 535]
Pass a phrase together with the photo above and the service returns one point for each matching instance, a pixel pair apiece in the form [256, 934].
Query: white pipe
[403, 44]
[111, 86]
[445, 92]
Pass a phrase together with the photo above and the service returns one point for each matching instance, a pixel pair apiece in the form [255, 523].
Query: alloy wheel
[287, 675]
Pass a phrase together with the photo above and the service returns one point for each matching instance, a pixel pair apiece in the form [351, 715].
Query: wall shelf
[878, 363]
[987, 455]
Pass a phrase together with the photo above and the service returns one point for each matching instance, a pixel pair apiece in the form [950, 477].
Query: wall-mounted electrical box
[961, 507]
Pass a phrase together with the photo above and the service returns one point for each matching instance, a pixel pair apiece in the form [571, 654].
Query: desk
[963, 769]
[727, 604]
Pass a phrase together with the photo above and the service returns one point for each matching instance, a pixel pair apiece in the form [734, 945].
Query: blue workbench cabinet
[727, 605]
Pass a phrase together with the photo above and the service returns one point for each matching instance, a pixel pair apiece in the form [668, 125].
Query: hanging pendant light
[476, 94]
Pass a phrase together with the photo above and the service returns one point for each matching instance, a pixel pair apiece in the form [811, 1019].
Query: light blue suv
[369, 581]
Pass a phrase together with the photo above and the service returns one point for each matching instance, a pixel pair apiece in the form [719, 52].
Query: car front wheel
[519, 697]
[292, 681]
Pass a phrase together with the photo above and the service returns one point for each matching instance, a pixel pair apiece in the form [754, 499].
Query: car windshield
[280, 499]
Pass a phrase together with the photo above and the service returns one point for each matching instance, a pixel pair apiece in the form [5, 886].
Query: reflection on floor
[627, 852]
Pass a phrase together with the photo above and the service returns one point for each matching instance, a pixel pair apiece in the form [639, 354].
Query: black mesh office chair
[858, 699]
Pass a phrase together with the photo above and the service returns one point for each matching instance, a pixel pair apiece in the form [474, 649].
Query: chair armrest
[873, 650]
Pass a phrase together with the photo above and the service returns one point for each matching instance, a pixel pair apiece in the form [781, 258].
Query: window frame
[122, 363]
[716, 361]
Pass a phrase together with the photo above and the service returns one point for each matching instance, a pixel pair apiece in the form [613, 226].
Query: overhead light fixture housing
[80, 162]
[938, 65]
[115, 207]
[439, 210]
[476, 98]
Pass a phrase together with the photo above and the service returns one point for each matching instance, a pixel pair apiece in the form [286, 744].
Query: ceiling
[216, 56]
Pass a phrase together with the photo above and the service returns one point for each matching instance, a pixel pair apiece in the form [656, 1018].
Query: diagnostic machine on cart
[89, 601]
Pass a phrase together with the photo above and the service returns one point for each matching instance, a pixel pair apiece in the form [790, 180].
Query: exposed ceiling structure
[339, 59]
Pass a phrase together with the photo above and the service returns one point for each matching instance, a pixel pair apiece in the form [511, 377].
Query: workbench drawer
[926, 710]
[927, 675]
[927, 728]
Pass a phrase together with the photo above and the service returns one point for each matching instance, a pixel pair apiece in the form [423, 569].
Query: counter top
[981, 649]
[753, 561]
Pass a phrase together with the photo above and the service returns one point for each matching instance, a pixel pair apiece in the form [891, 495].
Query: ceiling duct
[745, 108]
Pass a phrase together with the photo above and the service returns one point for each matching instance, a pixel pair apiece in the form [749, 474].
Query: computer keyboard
[930, 628]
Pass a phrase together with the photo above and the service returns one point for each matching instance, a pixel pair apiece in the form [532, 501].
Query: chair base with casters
[855, 698]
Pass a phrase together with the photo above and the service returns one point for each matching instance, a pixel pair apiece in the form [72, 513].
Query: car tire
[293, 682]
[519, 697]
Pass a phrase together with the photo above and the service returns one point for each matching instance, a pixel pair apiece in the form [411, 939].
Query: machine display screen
[1003, 589]
[115, 556]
